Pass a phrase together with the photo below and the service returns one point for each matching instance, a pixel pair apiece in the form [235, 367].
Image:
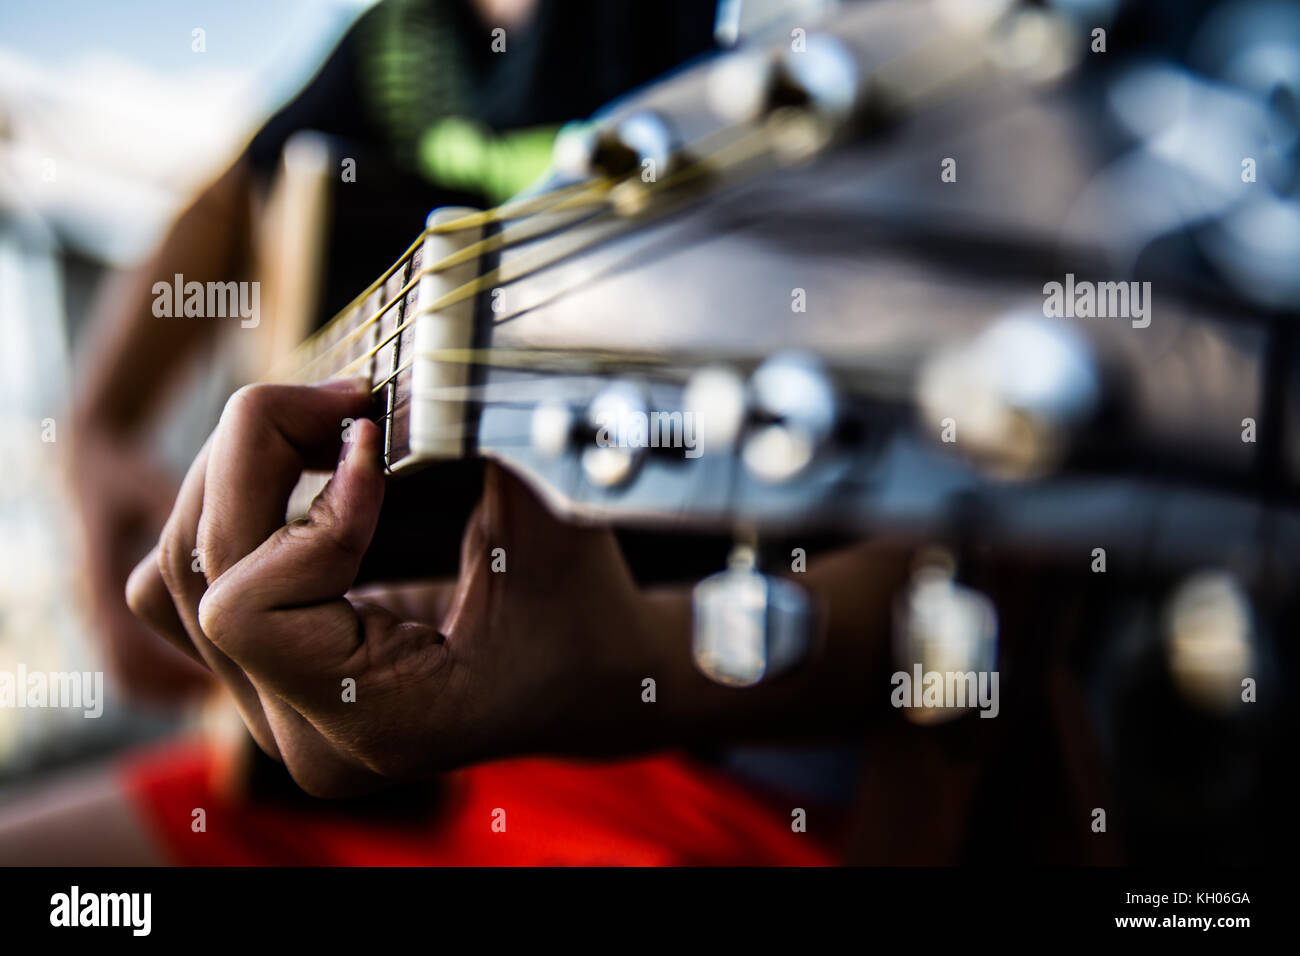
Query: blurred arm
[129, 359]
[132, 355]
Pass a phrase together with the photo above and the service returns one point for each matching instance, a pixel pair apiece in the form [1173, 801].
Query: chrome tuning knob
[619, 422]
[1015, 397]
[551, 428]
[944, 634]
[804, 94]
[1211, 639]
[642, 141]
[715, 399]
[748, 626]
[794, 405]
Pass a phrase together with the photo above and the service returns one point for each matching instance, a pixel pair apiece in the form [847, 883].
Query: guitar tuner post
[749, 627]
[821, 77]
[644, 141]
[793, 410]
[616, 420]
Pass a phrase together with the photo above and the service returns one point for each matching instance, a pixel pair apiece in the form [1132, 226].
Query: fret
[388, 358]
[399, 387]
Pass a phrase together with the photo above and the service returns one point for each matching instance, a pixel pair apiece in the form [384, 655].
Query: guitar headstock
[808, 288]
[803, 326]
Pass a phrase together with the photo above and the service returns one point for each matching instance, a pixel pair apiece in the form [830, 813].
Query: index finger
[267, 436]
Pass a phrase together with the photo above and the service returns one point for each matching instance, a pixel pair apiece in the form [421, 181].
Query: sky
[242, 34]
[109, 118]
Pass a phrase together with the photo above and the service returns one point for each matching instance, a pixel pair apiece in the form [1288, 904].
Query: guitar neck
[388, 335]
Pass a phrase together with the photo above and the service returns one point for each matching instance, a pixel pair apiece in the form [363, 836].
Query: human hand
[498, 663]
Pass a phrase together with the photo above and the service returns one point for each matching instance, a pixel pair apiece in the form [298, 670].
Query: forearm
[844, 681]
[131, 353]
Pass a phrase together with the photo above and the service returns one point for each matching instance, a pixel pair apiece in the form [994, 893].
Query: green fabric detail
[460, 154]
[413, 74]
[411, 69]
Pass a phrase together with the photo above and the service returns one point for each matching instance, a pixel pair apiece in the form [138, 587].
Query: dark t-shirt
[406, 65]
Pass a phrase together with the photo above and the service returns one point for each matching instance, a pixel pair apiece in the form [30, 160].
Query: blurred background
[108, 124]
[111, 117]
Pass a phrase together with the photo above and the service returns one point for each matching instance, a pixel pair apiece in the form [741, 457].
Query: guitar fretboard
[368, 340]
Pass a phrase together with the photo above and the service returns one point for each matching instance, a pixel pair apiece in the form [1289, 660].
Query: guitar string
[936, 80]
[910, 88]
[903, 91]
[591, 193]
[900, 80]
[510, 210]
[569, 198]
[555, 250]
[526, 359]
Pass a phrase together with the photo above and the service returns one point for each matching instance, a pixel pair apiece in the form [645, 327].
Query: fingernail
[352, 453]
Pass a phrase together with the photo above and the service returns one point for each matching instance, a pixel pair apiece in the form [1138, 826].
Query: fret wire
[392, 389]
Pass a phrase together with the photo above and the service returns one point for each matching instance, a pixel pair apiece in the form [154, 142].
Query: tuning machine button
[552, 427]
[945, 628]
[1211, 639]
[1017, 395]
[618, 420]
[715, 399]
[749, 627]
[803, 95]
[643, 143]
[793, 404]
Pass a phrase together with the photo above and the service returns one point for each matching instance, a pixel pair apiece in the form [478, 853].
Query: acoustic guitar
[803, 292]
[903, 271]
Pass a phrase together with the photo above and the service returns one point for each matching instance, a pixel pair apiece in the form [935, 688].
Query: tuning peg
[945, 628]
[641, 140]
[715, 399]
[748, 626]
[551, 429]
[617, 419]
[803, 95]
[794, 403]
[1210, 639]
[1019, 394]
[823, 76]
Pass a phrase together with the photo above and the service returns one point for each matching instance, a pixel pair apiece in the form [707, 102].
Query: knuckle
[325, 522]
[314, 779]
[146, 592]
[173, 560]
[247, 403]
[211, 558]
[215, 616]
[138, 599]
